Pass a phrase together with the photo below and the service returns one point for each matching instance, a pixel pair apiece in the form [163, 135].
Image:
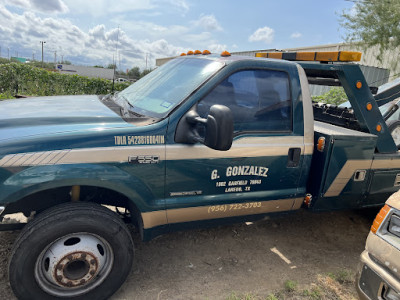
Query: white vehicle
[379, 274]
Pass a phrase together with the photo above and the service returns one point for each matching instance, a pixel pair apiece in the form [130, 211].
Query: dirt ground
[237, 259]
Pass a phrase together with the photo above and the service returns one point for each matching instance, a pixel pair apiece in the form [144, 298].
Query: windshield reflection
[160, 91]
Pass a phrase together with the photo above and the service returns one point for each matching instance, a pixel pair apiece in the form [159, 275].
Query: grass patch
[342, 276]
[314, 293]
[333, 286]
[290, 286]
[248, 296]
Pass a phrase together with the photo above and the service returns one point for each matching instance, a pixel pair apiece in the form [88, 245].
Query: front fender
[39, 178]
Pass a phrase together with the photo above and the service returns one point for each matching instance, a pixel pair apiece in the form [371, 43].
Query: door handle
[294, 155]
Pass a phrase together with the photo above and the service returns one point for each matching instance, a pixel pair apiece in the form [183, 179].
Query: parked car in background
[379, 275]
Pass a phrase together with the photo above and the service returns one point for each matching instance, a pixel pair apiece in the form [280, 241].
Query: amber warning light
[325, 56]
[379, 218]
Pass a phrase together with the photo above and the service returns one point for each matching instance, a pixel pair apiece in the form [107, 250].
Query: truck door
[260, 173]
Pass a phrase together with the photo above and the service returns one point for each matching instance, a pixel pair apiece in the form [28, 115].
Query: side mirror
[218, 128]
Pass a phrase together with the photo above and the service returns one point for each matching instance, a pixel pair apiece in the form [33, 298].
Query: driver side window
[259, 100]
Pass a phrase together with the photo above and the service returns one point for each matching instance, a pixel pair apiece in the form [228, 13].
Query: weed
[272, 297]
[290, 285]
[342, 276]
[315, 293]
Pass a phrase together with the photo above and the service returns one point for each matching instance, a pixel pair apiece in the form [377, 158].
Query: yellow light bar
[349, 56]
[306, 56]
[325, 56]
[260, 54]
[277, 55]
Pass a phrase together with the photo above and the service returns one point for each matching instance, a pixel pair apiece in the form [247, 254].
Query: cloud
[95, 46]
[296, 35]
[49, 6]
[217, 48]
[264, 34]
[208, 22]
[42, 6]
[178, 4]
[101, 8]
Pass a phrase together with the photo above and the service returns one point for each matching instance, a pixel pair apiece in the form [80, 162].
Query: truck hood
[57, 114]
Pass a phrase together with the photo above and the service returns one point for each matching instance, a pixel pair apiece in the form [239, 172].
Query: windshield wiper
[127, 109]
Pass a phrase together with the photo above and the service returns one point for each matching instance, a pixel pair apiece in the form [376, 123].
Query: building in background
[91, 72]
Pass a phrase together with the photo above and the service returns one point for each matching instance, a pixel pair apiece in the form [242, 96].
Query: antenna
[115, 60]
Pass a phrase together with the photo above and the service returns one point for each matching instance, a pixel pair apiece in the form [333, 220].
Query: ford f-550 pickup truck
[204, 139]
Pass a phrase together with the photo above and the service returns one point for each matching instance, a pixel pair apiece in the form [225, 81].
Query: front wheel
[71, 251]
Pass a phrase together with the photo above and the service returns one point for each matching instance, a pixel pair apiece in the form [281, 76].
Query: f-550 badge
[144, 159]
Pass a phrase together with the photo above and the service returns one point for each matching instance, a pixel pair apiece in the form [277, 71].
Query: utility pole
[42, 42]
[33, 56]
[62, 58]
[55, 57]
[8, 53]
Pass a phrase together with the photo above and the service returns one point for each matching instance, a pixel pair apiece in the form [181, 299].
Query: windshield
[163, 89]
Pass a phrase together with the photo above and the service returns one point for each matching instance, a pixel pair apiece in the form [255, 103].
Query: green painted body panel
[196, 175]
[136, 182]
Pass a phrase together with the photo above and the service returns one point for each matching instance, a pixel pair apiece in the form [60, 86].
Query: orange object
[306, 56]
[190, 52]
[326, 56]
[206, 52]
[277, 55]
[359, 85]
[379, 127]
[261, 54]
[379, 218]
[307, 200]
[321, 144]
[197, 52]
[183, 54]
[225, 53]
[369, 106]
[349, 56]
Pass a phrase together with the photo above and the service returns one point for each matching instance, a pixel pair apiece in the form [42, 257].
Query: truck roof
[234, 58]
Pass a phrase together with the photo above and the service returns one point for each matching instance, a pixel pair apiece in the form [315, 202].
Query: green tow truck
[205, 139]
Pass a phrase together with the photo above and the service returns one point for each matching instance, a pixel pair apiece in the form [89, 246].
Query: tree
[335, 96]
[145, 72]
[374, 23]
[134, 73]
[111, 66]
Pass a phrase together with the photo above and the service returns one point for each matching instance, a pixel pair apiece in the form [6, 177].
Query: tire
[394, 129]
[71, 251]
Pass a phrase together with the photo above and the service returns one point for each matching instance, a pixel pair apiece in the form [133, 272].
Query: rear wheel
[72, 251]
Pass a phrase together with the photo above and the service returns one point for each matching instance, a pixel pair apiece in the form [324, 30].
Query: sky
[136, 32]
